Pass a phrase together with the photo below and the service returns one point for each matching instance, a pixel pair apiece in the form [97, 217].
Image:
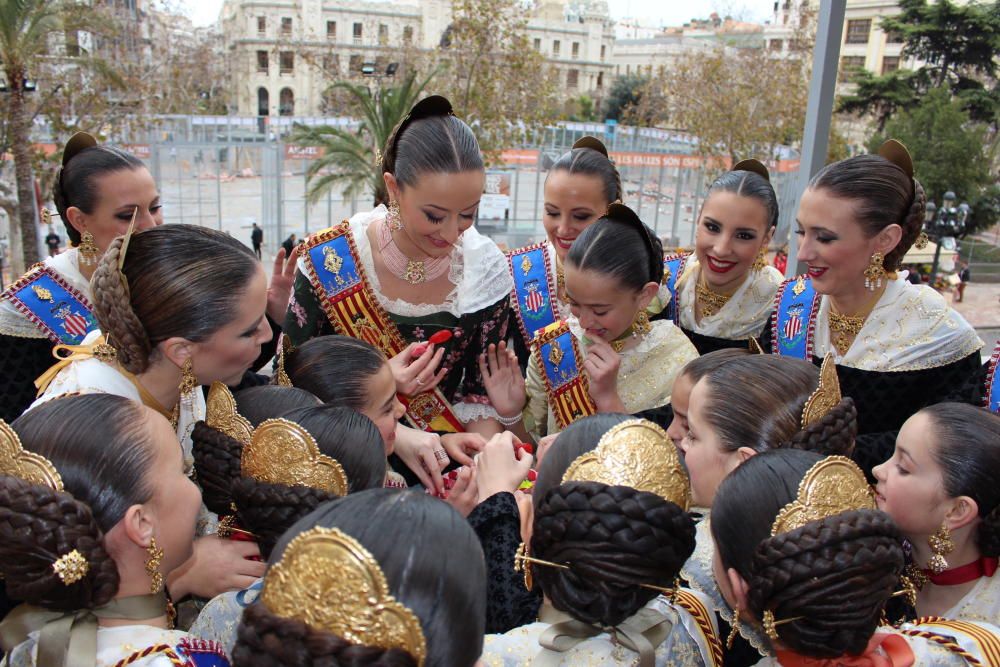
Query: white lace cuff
[470, 412]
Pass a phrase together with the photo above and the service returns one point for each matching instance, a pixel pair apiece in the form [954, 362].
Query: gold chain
[845, 328]
[711, 302]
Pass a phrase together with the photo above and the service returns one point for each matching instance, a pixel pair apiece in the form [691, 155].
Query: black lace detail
[705, 344]
[22, 360]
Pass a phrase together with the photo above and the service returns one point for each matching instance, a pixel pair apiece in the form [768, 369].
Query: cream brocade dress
[220, 618]
[119, 644]
[645, 377]
[981, 604]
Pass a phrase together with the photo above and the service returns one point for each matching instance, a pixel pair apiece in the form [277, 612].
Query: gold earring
[734, 630]
[769, 625]
[941, 545]
[153, 566]
[760, 261]
[875, 271]
[392, 217]
[641, 325]
[189, 384]
[522, 564]
[88, 250]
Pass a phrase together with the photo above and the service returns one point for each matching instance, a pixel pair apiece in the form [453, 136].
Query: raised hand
[503, 380]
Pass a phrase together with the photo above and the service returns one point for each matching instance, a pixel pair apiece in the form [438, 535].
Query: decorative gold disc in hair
[896, 153]
[752, 165]
[832, 486]
[282, 452]
[639, 454]
[329, 581]
[221, 414]
[71, 567]
[28, 466]
[827, 394]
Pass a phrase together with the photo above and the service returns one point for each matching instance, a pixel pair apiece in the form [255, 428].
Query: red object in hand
[439, 337]
[532, 475]
[525, 446]
[418, 350]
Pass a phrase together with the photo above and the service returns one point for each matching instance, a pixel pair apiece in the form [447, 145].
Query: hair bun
[593, 143]
[753, 165]
[896, 153]
[435, 105]
[77, 143]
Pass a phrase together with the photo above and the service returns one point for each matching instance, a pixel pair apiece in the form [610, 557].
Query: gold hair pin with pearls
[221, 414]
[827, 394]
[282, 452]
[329, 581]
[280, 374]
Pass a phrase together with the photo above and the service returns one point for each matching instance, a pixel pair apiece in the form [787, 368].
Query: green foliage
[626, 92]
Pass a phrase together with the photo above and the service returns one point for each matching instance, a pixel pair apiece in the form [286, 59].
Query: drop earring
[153, 566]
[734, 630]
[941, 545]
[392, 218]
[189, 384]
[88, 250]
[760, 261]
[875, 272]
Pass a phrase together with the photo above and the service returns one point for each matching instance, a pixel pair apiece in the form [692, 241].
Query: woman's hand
[503, 380]
[424, 454]
[217, 566]
[464, 495]
[543, 447]
[500, 467]
[601, 366]
[413, 368]
[279, 292]
[462, 446]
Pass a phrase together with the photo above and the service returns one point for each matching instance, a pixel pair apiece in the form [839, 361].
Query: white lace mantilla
[67, 265]
[981, 604]
[744, 315]
[911, 328]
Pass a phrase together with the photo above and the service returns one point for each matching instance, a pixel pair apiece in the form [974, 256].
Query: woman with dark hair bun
[379, 577]
[803, 556]
[418, 282]
[266, 477]
[721, 294]
[609, 535]
[898, 346]
[628, 364]
[96, 511]
[940, 487]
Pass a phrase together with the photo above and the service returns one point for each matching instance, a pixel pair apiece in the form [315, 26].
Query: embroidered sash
[533, 294]
[673, 267]
[793, 321]
[977, 644]
[53, 305]
[694, 606]
[993, 382]
[565, 384]
[338, 277]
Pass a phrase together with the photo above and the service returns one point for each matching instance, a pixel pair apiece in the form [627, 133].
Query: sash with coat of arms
[335, 271]
[560, 362]
[993, 382]
[793, 321]
[533, 294]
[55, 307]
[673, 267]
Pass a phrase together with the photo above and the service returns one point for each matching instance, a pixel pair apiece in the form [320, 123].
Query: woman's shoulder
[665, 337]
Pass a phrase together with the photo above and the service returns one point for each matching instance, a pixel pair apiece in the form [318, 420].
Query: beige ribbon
[69, 639]
[67, 354]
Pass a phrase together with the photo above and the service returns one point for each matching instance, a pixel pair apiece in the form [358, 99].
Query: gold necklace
[711, 302]
[845, 328]
[560, 282]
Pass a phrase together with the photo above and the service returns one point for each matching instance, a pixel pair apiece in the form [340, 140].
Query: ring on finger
[440, 455]
[420, 383]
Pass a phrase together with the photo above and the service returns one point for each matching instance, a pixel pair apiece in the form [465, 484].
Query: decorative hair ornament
[435, 105]
[832, 486]
[622, 213]
[282, 452]
[639, 454]
[754, 346]
[71, 567]
[125, 241]
[752, 165]
[827, 394]
[593, 143]
[221, 414]
[896, 153]
[329, 581]
[281, 375]
[28, 466]
[76, 144]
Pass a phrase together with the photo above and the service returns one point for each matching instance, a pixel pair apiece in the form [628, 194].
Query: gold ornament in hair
[126, 239]
[832, 486]
[827, 394]
[282, 452]
[329, 581]
[71, 567]
[222, 415]
[896, 153]
[639, 454]
[754, 166]
[754, 345]
[280, 374]
[28, 466]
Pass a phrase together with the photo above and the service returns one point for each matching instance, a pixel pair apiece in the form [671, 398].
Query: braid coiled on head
[115, 315]
[616, 538]
[268, 510]
[834, 576]
[267, 640]
[912, 224]
[216, 463]
[39, 525]
[831, 435]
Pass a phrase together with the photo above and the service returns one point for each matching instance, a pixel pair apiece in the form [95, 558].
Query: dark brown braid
[216, 465]
[39, 525]
[266, 640]
[836, 574]
[988, 536]
[831, 435]
[615, 538]
[115, 315]
[268, 510]
[912, 224]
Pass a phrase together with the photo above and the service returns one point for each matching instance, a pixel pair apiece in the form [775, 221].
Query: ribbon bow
[67, 354]
[69, 639]
[897, 653]
[642, 633]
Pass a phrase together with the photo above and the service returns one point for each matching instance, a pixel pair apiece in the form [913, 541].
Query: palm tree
[25, 26]
[349, 156]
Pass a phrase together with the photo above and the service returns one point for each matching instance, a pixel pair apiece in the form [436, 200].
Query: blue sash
[201, 653]
[533, 294]
[673, 267]
[565, 383]
[794, 319]
[53, 305]
[993, 382]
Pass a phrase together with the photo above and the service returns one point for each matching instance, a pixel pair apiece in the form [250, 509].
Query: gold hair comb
[280, 374]
[282, 452]
[896, 153]
[832, 486]
[639, 454]
[28, 466]
[827, 394]
[753, 165]
[127, 239]
[329, 581]
[221, 414]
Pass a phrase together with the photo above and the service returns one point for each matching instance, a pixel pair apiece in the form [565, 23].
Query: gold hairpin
[378, 158]
[834, 485]
[754, 346]
[221, 414]
[282, 452]
[28, 466]
[329, 581]
[639, 454]
[771, 625]
[827, 394]
[47, 216]
[127, 239]
[281, 375]
[71, 567]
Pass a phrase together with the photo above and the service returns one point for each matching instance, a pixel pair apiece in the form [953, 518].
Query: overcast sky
[653, 12]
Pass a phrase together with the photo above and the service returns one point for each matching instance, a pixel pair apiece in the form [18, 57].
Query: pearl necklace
[412, 271]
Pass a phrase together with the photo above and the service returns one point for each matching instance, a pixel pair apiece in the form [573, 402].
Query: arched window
[263, 102]
[286, 102]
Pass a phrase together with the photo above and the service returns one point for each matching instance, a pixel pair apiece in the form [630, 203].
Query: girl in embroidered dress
[804, 556]
[898, 346]
[429, 277]
[100, 481]
[723, 293]
[613, 272]
[940, 487]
